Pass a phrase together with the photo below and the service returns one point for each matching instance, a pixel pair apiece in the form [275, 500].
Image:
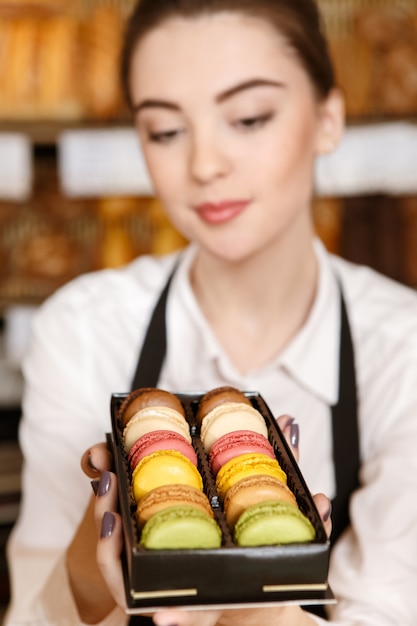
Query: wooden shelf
[46, 132]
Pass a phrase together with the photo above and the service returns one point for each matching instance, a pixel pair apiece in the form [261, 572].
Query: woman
[232, 101]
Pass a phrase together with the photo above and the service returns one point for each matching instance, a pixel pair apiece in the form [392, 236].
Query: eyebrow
[248, 84]
[221, 97]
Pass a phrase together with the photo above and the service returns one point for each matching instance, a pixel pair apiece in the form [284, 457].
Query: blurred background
[74, 193]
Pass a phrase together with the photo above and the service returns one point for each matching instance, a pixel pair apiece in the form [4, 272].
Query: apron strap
[346, 453]
[154, 346]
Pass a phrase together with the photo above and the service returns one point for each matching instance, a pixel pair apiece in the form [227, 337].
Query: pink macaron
[236, 443]
[160, 440]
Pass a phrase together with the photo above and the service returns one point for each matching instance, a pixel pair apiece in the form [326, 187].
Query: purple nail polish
[295, 435]
[94, 486]
[107, 525]
[104, 484]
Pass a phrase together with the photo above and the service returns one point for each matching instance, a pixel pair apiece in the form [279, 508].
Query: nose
[208, 157]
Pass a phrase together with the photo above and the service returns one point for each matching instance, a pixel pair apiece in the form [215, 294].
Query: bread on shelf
[58, 62]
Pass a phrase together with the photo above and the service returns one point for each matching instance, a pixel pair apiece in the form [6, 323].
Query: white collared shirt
[85, 344]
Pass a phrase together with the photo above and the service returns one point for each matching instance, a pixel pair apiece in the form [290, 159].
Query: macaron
[181, 528]
[252, 490]
[228, 417]
[160, 440]
[165, 467]
[272, 523]
[216, 397]
[144, 397]
[237, 443]
[154, 418]
[247, 465]
[171, 495]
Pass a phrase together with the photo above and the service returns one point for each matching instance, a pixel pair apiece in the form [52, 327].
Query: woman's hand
[96, 464]
[91, 592]
[290, 431]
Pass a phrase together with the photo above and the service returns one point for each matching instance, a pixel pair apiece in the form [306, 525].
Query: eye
[164, 137]
[253, 123]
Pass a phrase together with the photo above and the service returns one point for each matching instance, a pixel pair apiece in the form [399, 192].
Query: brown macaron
[252, 490]
[145, 397]
[219, 396]
[171, 495]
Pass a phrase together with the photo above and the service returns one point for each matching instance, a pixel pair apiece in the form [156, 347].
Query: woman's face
[229, 126]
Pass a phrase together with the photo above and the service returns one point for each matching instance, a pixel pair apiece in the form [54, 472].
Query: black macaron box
[229, 576]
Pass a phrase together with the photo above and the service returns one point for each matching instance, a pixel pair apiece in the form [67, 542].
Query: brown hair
[297, 20]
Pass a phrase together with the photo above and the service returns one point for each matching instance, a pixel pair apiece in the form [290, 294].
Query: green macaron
[181, 527]
[273, 523]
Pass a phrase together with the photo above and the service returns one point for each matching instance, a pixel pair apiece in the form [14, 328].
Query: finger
[291, 432]
[186, 618]
[109, 548]
[107, 497]
[324, 507]
[96, 459]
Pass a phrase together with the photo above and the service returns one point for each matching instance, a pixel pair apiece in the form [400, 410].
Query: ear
[331, 122]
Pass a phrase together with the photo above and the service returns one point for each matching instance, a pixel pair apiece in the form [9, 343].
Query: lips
[221, 212]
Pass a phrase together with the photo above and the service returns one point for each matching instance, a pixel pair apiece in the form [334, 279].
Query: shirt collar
[312, 357]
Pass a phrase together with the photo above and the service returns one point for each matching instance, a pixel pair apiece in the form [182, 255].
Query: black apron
[346, 454]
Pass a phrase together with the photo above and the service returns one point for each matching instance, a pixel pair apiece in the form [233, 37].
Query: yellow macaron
[247, 465]
[164, 467]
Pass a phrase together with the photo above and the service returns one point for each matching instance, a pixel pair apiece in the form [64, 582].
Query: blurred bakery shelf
[374, 47]
[70, 220]
[44, 132]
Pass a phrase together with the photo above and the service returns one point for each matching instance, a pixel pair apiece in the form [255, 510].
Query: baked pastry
[145, 397]
[5, 38]
[165, 467]
[181, 527]
[382, 27]
[169, 491]
[228, 417]
[58, 73]
[103, 45]
[273, 523]
[171, 495]
[399, 79]
[18, 86]
[252, 490]
[247, 465]
[49, 256]
[217, 396]
[235, 443]
[160, 440]
[153, 418]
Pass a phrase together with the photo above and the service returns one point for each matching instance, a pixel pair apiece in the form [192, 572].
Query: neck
[256, 306]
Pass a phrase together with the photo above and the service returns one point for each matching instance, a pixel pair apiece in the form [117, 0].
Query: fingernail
[104, 484]
[295, 435]
[327, 513]
[107, 525]
[94, 486]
